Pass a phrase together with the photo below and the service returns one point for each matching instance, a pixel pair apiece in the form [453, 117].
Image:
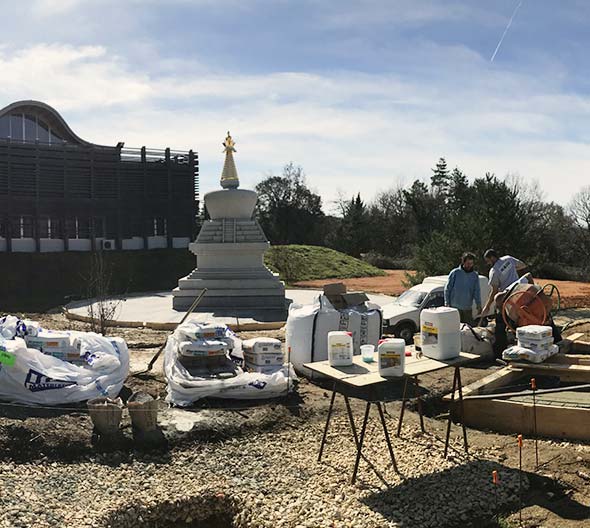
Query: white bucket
[440, 332]
[340, 349]
[392, 357]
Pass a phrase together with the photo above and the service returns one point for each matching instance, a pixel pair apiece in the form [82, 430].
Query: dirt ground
[559, 494]
[573, 294]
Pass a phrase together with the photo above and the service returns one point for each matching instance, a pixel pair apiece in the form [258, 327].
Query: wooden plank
[512, 417]
[555, 367]
[502, 377]
[581, 347]
[339, 373]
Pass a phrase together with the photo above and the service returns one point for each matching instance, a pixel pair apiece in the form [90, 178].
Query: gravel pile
[266, 479]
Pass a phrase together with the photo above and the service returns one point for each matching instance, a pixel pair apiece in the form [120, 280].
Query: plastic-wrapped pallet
[29, 376]
[308, 326]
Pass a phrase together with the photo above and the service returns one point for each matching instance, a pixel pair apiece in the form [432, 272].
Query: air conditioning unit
[108, 244]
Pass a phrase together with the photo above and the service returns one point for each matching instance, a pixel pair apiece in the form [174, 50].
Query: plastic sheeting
[29, 376]
[184, 389]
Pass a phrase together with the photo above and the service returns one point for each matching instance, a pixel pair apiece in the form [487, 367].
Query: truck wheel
[406, 332]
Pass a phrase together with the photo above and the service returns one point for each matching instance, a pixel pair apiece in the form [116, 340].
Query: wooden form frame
[484, 410]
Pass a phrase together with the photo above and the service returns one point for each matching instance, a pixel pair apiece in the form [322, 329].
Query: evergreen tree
[440, 180]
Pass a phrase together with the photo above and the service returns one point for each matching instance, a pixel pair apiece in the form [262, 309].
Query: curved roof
[48, 114]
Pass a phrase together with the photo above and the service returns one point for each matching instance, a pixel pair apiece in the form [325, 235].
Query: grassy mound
[298, 263]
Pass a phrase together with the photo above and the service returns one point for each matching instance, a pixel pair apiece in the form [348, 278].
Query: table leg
[327, 422]
[449, 419]
[386, 433]
[351, 419]
[419, 403]
[401, 413]
[461, 408]
[359, 446]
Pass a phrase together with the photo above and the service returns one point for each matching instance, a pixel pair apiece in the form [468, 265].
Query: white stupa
[230, 253]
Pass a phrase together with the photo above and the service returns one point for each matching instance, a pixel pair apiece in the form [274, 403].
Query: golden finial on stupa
[229, 143]
[229, 175]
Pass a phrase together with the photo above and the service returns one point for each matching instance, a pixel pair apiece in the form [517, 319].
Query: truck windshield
[411, 298]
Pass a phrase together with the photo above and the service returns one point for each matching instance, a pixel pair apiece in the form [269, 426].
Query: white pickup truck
[402, 317]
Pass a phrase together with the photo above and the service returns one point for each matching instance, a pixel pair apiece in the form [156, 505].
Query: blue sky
[365, 95]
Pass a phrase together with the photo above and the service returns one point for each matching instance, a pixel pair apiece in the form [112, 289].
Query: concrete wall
[79, 244]
[180, 242]
[23, 245]
[36, 282]
[157, 242]
[50, 245]
[134, 243]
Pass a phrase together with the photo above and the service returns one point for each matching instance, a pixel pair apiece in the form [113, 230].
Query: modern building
[61, 193]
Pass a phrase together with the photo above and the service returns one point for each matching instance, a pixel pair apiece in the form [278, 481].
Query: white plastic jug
[340, 349]
[440, 331]
[392, 357]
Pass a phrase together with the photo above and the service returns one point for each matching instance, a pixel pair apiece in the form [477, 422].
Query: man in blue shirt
[462, 289]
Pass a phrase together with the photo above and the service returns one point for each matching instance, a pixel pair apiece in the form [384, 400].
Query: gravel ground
[256, 467]
[260, 480]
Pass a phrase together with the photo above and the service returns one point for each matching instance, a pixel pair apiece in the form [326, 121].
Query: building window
[78, 227]
[49, 227]
[22, 227]
[99, 227]
[30, 128]
[42, 132]
[5, 126]
[159, 227]
[16, 127]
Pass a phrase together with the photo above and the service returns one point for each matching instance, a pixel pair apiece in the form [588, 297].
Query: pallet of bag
[28, 375]
[308, 325]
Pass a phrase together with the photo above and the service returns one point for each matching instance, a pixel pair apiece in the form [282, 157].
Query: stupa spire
[229, 175]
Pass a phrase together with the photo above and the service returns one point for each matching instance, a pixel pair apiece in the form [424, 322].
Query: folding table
[361, 375]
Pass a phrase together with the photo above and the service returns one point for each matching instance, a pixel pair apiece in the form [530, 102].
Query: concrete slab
[154, 310]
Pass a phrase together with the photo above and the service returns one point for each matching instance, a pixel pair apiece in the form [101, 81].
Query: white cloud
[350, 131]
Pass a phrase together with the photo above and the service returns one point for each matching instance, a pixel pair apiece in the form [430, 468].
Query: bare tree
[580, 208]
[103, 308]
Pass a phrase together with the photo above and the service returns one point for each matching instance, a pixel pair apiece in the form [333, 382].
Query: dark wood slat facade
[68, 191]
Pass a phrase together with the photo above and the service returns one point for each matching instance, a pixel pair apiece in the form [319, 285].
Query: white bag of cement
[308, 327]
[11, 327]
[478, 341]
[28, 376]
[184, 389]
[518, 353]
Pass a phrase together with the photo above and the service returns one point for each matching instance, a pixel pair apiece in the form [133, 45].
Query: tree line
[427, 226]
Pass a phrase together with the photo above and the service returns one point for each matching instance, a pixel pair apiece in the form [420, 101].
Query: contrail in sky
[506, 30]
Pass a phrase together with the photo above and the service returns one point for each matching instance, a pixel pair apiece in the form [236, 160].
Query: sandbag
[29, 376]
[308, 326]
[184, 389]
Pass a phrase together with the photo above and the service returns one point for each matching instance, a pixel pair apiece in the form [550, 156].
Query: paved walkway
[154, 310]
